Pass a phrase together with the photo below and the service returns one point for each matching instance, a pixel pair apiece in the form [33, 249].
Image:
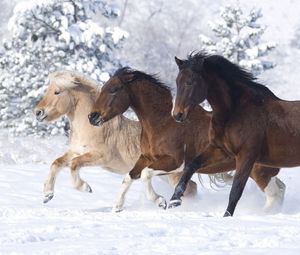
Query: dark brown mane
[227, 70]
[138, 75]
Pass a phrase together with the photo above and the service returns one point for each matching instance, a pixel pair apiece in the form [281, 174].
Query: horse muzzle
[179, 117]
[95, 119]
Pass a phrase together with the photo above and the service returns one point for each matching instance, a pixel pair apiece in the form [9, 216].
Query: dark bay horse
[249, 122]
[165, 144]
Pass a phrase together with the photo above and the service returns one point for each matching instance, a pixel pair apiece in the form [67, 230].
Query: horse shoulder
[128, 140]
[246, 129]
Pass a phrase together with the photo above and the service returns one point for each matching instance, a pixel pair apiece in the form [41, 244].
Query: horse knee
[75, 164]
[57, 163]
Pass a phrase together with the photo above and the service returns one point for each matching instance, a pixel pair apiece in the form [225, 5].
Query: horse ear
[126, 78]
[76, 81]
[179, 62]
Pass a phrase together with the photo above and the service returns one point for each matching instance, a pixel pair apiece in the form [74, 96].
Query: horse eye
[114, 90]
[188, 83]
[56, 92]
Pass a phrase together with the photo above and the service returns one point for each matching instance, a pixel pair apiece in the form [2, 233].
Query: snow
[82, 223]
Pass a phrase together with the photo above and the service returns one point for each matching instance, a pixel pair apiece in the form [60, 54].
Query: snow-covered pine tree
[50, 35]
[237, 36]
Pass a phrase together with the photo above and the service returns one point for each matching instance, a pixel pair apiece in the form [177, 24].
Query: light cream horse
[115, 146]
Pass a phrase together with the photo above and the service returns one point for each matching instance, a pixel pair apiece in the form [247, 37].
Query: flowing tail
[219, 180]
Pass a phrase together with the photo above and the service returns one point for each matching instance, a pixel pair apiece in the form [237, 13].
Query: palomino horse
[115, 146]
[249, 123]
[165, 144]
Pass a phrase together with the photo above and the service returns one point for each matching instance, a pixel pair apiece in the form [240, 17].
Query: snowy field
[82, 223]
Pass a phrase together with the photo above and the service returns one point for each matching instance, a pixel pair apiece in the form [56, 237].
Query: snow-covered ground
[82, 223]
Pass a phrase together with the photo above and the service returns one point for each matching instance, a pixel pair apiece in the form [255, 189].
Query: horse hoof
[227, 214]
[85, 188]
[89, 189]
[48, 197]
[117, 209]
[174, 203]
[163, 204]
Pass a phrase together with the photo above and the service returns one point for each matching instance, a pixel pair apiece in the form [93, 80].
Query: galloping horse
[165, 144]
[249, 123]
[115, 146]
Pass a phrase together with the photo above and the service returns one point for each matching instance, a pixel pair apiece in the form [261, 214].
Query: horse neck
[151, 103]
[220, 97]
[81, 106]
[82, 130]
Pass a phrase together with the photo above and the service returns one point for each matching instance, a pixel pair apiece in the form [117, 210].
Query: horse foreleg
[134, 174]
[191, 189]
[118, 206]
[86, 159]
[244, 164]
[188, 172]
[56, 166]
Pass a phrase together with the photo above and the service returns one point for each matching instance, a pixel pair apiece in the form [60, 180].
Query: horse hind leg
[271, 185]
[274, 195]
[146, 176]
[191, 188]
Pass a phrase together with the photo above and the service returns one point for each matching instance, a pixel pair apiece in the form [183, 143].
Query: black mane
[227, 70]
[139, 75]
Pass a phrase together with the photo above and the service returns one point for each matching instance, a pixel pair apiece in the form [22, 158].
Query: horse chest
[219, 138]
[81, 146]
[216, 135]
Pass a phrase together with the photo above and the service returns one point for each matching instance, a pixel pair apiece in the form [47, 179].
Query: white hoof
[174, 203]
[117, 209]
[85, 188]
[162, 203]
[48, 192]
[48, 197]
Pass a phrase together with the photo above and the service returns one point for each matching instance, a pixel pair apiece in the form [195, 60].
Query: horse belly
[281, 150]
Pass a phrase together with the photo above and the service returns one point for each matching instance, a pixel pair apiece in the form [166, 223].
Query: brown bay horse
[249, 122]
[165, 144]
[115, 146]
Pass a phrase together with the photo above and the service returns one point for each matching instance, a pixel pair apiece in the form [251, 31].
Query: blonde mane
[70, 79]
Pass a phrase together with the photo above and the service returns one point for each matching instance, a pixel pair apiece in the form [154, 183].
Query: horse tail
[219, 180]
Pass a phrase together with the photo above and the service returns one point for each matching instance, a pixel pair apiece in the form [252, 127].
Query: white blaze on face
[173, 105]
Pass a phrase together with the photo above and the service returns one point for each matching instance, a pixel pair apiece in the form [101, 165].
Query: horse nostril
[39, 113]
[179, 117]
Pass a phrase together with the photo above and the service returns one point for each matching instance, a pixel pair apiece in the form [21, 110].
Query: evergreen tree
[238, 38]
[50, 35]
